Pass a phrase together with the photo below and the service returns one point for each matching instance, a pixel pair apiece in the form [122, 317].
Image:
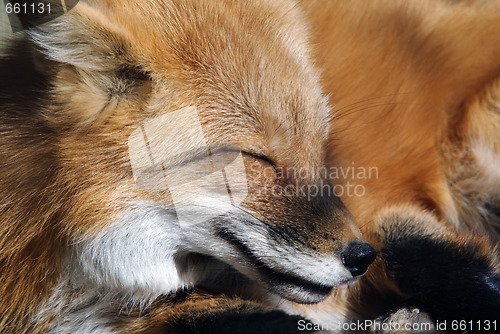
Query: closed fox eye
[264, 160]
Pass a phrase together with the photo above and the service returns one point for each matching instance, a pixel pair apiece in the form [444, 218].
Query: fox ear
[84, 37]
[90, 59]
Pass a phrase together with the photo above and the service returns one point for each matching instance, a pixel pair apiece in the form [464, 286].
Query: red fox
[165, 165]
[150, 147]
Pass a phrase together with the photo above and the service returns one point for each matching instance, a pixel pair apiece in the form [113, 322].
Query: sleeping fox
[161, 165]
[148, 148]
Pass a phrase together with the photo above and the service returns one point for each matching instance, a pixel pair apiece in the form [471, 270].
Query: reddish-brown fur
[414, 85]
[399, 75]
[105, 67]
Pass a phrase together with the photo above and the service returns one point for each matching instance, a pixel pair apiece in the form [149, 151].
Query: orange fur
[71, 208]
[415, 93]
[415, 90]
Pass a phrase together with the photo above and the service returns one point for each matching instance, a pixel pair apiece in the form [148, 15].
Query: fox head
[194, 127]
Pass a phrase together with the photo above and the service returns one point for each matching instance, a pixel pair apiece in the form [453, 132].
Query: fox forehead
[251, 81]
[248, 76]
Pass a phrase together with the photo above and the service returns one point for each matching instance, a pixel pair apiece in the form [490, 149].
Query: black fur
[235, 322]
[448, 280]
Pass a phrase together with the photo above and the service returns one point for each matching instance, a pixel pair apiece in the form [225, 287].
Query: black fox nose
[357, 257]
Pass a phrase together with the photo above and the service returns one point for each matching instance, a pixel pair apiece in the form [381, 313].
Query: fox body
[415, 86]
[158, 160]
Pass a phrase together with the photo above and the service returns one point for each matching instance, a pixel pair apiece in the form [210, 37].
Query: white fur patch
[141, 254]
[140, 257]
[136, 255]
[488, 160]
